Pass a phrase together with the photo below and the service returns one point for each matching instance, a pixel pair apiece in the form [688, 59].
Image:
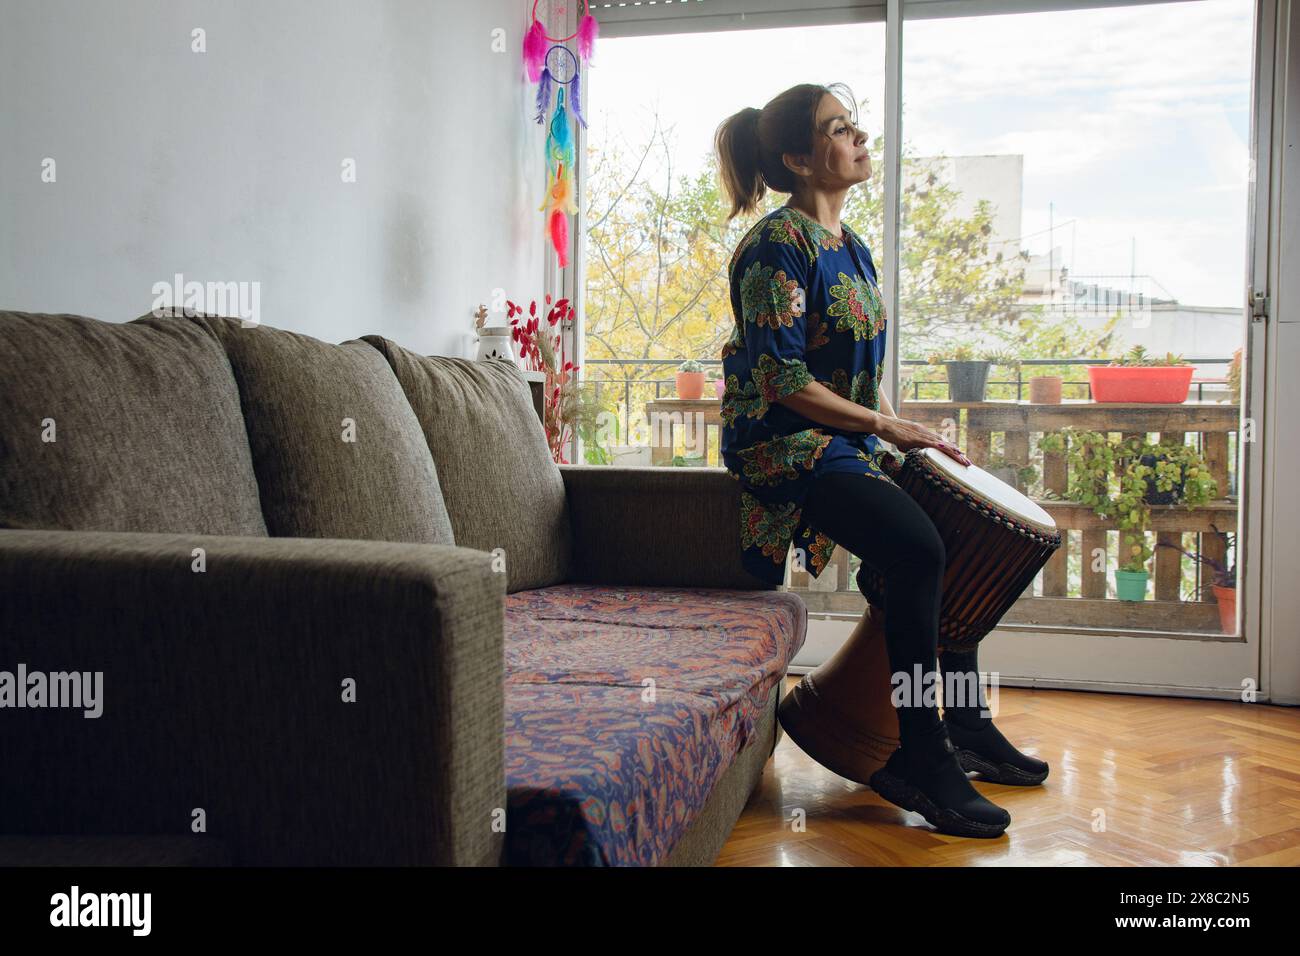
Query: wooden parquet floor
[1134, 781]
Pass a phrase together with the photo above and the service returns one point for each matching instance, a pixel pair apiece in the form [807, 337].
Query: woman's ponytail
[737, 145]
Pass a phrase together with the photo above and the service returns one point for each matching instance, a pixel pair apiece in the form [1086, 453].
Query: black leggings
[884, 526]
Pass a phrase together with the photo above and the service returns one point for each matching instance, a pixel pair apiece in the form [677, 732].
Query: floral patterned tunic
[807, 308]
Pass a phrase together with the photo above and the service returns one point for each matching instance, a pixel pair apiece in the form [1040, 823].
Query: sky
[1133, 121]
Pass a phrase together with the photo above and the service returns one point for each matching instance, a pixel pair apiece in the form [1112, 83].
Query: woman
[803, 418]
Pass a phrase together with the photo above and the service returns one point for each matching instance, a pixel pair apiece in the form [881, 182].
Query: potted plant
[690, 379]
[1178, 474]
[1093, 457]
[1137, 376]
[1223, 583]
[1045, 389]
[967, 375]
[1234, 377]
[541, 347]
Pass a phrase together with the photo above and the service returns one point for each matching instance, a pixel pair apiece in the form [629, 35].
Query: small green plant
[1002, 359]
[1138, 355]
[1234, 376]
[959, 353]
[691, 365]
[1224, 574]
[964, 353]
[1093, 458]
[1179, 466]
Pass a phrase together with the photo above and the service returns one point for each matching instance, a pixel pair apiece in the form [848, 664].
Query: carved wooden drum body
[996, 540]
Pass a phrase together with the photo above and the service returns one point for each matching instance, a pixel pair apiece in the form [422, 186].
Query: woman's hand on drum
[906, 435]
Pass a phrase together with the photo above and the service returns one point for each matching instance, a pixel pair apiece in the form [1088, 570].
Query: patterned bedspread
[624, 706]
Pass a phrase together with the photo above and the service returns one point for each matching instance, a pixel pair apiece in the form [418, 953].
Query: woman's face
[839, 148]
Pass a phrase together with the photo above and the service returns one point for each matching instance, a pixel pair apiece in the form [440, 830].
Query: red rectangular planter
[1155, 384]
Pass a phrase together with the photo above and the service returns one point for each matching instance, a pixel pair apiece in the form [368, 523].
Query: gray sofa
[348, 611]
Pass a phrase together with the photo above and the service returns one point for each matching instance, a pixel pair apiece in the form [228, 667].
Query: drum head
[993, 490]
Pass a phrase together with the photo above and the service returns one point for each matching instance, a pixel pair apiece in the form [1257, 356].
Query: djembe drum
[996, 540]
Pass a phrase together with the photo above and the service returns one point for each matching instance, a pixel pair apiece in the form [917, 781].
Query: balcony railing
[629, 395]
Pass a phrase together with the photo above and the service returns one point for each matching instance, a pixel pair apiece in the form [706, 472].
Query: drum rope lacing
[1050, 540]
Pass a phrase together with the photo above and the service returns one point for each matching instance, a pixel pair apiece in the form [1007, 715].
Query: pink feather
[560, 236]
[535, 50]
[588, 30]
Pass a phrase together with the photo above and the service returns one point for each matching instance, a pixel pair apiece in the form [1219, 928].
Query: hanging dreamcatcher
[560, 68]
[555, 68]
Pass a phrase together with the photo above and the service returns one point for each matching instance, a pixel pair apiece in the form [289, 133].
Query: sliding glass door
[1066, 187]
[1074, 193]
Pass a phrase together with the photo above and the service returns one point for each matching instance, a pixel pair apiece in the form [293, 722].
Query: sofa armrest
[656, 526]
[223, 691]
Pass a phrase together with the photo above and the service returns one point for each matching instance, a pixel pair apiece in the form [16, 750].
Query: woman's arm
[825, 407]
[819, 404]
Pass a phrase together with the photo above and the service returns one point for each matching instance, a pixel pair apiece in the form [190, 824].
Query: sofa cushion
[600, 772]
[502, 488]
[337, 450]
[145, 423]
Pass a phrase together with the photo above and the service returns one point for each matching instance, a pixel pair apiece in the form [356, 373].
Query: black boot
[923, 776]
[981, 746]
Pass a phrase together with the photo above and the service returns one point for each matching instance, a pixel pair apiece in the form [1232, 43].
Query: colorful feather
[577, 97]
[535, 46]
[560, 142]
[588, 30]
[560, 194]
[543, 96]
[560, 236]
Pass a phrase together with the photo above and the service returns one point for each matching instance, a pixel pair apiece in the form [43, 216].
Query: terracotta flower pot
[1154, 384]
[1045, 390]
[690, 384]
[1227, 598]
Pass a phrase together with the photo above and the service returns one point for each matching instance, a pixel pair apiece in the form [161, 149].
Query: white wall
[225, 165]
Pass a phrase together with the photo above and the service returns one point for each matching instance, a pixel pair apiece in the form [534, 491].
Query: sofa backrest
[336, 447]
[111, 427]
[197, 424]
[501, 486]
